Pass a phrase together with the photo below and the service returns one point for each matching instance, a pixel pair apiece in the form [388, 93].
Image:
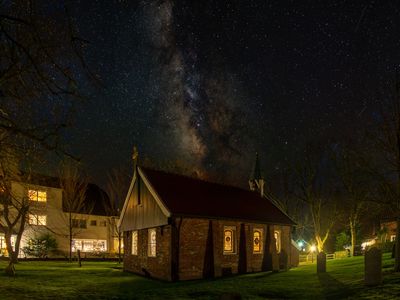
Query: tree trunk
[353, 234]
[320, 243]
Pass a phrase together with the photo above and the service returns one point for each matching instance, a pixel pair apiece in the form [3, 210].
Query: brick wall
[156, 267]
[193, 254]
[193, 240]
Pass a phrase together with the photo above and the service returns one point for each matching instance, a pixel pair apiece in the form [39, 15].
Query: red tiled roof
[192, 197]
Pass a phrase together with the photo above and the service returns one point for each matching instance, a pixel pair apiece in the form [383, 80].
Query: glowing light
[313, 248]
[367, 244]
[301, 244]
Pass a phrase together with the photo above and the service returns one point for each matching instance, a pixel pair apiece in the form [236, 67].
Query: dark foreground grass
[106, 280]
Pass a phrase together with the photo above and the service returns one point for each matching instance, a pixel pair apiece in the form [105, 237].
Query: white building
[94, 231]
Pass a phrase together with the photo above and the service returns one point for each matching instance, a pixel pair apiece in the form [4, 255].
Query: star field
[212, 82]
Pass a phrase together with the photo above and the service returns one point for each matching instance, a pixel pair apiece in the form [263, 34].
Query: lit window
[37, 219]
[229, 239]
[257, 241]
[152, 242]
[277, 236]
[393, 238]
[35, 195]
[89, 245]
[134, 242]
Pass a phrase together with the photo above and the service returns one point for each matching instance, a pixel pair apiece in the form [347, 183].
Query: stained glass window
[257, 241]
[134, 242]
[229, 239]
[152, 242]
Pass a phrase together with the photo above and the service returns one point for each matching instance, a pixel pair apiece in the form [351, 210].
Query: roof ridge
[196, 179]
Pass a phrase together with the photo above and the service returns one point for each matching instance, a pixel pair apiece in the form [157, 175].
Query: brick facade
[156, 267]
[200, 250]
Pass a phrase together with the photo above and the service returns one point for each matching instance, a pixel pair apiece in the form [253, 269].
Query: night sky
[209, 83]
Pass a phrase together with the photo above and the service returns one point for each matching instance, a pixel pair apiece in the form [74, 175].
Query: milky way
[198, 106]
[212, 82]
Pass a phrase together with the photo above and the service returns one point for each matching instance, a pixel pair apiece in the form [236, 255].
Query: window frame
[150, 244]
[79, 223]
[33, 195]
[261, 237]
[135, 240]
[232, 229]
[35, 218]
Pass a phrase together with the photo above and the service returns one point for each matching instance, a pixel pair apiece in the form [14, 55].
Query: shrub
[342, 240]
[40, 246]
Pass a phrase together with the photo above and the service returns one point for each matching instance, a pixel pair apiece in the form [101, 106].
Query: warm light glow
[277, 236]
[367, 244]
[257, 241]
[89, 245]
[229, 239]
[37, 219]
[35, 195]
[313, 248]
[134, 242]
[152, 242]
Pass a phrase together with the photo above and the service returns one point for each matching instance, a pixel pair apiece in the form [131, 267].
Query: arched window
[277, 235]
[229, 239]
[134, 242]
[257, 241]
[152, 242]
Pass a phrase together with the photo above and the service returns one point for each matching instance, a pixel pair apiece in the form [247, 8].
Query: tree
[117, 188]
[40, 58]
[313, 189]
[74, 186]
[14, 209]
[355, 185]
[386, 142]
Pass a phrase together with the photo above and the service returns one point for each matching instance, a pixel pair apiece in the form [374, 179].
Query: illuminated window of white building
[277, 236]
[36, 195]
[134, 242]
[89, 245]
[229, 239]
[3, 245]
[152, 243]
[257, 240]
[37, 219]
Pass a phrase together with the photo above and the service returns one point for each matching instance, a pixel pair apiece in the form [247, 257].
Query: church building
[180, 228]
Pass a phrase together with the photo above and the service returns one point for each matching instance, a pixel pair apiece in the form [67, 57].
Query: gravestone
[321, 262]
[373, 267]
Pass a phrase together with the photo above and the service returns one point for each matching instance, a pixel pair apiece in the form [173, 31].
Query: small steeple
[256, 181]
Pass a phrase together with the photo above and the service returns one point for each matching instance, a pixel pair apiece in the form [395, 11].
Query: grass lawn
[105, 280]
